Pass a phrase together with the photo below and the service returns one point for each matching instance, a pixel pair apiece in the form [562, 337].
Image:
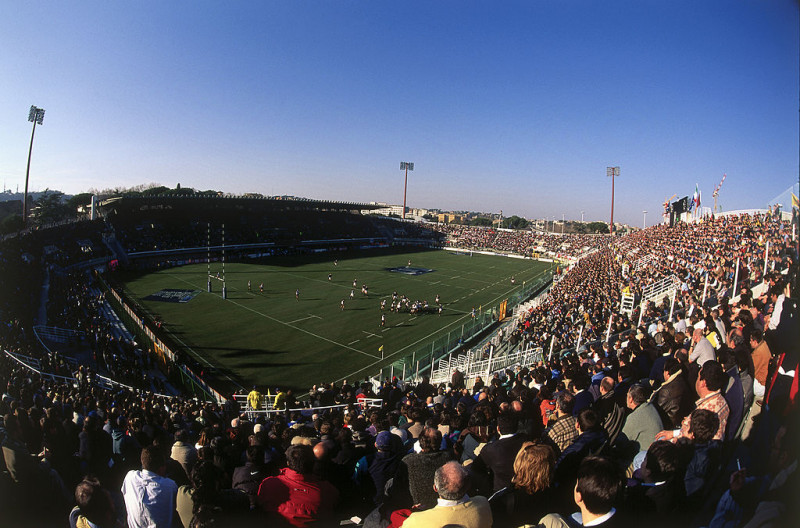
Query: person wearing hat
[383, 464]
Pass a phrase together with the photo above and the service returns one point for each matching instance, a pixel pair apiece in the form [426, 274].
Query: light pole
[644, 220]
[407, 166]
[36, 115]
[581, 216]
[613, 172]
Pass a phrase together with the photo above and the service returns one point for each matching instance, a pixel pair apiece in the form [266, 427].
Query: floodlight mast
[613, 172]
[407, 166]
[35, 115]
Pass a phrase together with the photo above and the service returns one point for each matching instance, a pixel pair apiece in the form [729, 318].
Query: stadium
[384, 264]
[322, 306]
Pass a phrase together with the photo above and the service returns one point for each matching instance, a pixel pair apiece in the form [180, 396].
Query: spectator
[295, 494]
[643, 423]
[599, 487]
[564, 431]
[495, 462]
[531, 494]
[709, 384]
[673, 398]
[414, 480]
[248, 477]
[149, 496]
[95, 508]
[454, 506]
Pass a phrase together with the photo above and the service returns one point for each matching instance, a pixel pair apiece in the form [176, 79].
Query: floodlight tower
[407, 166]
[35, 115]
[644, 220]
[613, 172]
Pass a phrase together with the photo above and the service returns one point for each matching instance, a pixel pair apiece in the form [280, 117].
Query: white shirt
[577, 517]
[149, 499]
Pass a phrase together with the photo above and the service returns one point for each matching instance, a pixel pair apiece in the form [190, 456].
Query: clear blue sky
[517, 105]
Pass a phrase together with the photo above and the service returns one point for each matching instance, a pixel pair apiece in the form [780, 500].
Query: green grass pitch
[270, 338]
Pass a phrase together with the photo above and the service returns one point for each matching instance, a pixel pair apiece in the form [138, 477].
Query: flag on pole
[696, 197]
[380, 349]
[795, 202]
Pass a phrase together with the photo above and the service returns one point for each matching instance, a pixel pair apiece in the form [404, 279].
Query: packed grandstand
[657, 371]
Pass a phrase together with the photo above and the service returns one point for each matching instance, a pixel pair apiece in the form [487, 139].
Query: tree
[11, 224]
[51, 207]
[515, 222]
[481, 221]
[155, 191]
[597, 227]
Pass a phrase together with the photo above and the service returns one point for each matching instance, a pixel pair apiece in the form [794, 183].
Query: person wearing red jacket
[296, 494]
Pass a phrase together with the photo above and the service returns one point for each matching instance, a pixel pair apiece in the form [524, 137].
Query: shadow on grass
[228, 352]
[263, 364]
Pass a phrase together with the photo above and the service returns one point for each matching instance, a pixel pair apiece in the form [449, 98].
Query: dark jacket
[588, 443]
[674, 401]
[247, 478]
[415, 475]
[497, 458]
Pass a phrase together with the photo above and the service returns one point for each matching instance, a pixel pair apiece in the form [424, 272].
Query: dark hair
[94, 501]
[704, 425]
[661, 460]
[672, 365]
[711, 372]
[581, 381]
[566, 402]
[205, 477]
[588, 420]
[255, 454]
[153, 459]
[599, 483]
[507, 423]
[430, 440]
[181, 435]
[300, 458]
[638, 393]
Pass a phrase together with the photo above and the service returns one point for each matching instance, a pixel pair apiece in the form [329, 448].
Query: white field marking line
[353, 342]
[303, 330]
[312, 334]
[370, 334]
[190, 349]
[314, 316]
[348, 286]
[400, 351]
[301, 319]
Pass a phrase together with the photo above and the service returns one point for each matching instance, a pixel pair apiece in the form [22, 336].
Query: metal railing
[422, 360]
[267, 406]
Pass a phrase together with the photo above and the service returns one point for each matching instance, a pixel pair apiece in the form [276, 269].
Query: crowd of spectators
[687, 421]
[529, 445]
[521, 242]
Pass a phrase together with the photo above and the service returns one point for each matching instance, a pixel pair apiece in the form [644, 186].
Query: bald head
[322, 450]
[451, 481]
[606, 385]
